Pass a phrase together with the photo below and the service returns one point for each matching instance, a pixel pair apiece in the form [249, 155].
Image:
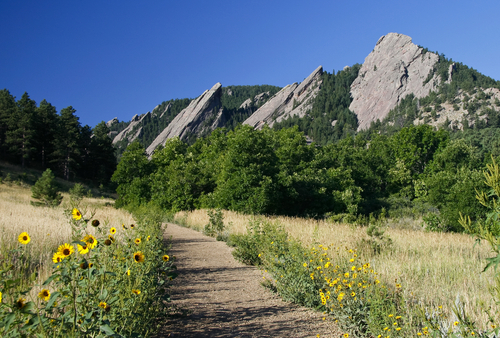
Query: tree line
[416, 171]
[39, 137]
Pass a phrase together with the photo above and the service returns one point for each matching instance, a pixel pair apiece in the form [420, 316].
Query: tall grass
[432, 268]
[47, 227]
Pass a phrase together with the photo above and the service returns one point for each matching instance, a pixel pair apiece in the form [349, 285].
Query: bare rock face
[112, 122]
[133, 130]
[395, 68]
[193, 119]
[292, 100]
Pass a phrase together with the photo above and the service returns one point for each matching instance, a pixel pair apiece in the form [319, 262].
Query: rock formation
[112, 122]
[203, 114]
[133, 130]
[395, 68]
[294, 99]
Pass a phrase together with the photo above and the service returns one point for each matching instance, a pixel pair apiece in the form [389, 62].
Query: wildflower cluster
[98, 281]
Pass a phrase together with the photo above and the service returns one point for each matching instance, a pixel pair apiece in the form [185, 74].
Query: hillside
[399, 84]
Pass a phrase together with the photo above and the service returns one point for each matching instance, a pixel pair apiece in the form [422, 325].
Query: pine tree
[46, 128]
[67, 142]
[7, 108]
[46, 191]
[103, 160]
[21, 129]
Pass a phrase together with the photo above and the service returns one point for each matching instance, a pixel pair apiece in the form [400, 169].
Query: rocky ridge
[395, 68]
[203, 114]
[294, 99]
[133, 130]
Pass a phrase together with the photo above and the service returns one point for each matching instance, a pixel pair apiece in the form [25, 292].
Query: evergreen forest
[37, 136]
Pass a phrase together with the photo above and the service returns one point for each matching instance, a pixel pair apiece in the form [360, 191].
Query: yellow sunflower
[90, 240]
[111, 238]
[0, 297]
[137, 241]
[132, 226]
[65, 250]
[128, 272]
[44, 295]
[103, 305]
[165, 258]
[138, 257]
[82, 249]
[136, 292]
[24, 238]
[112, 230]
[21, 302]
[57, 257]
[77, 215]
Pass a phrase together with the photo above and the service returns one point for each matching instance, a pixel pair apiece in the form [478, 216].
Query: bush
[46, 191]
[76, 193]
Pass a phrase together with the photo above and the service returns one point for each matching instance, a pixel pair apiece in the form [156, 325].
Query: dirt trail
[225, 298]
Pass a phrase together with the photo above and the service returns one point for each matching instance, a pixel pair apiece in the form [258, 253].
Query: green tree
[21, 129]
[8, 108]
[102, 162]
[415, 146]
[46, 129]
[45, 190]
[247, 181]
[132, 176]
[67, 142]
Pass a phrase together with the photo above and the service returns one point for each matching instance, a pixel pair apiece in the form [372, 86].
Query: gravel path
[225, 298]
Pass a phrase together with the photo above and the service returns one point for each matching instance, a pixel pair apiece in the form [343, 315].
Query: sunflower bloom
[136, 292]
[138, 257]
[112, 230]
[0, 297]
[103, 305]
[128, 272]
[44, 295]
[65, 250]
[90, 240]
[137, 241]
[165, 258]
[83, 249]
[77, 215]
[21, 302]
[57, 257]
[24, 238]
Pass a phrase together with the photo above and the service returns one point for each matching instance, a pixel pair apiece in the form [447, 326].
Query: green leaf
[8, 320]
[107, 330]
[50, 279]
[52, 299]
[28, 307]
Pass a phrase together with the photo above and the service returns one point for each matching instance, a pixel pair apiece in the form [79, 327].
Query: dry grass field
[47, 227]
[433, 268]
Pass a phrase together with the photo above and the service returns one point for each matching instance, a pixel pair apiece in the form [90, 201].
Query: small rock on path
[225, 298]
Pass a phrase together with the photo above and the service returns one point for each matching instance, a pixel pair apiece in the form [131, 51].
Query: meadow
[81, 269]
[429, 270]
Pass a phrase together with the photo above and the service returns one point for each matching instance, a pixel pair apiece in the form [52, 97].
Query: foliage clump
[46, 191]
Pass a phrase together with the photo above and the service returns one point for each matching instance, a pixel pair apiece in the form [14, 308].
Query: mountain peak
[395, 68]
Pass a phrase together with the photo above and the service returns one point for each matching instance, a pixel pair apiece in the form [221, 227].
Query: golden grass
[47, 227]
[433, 268]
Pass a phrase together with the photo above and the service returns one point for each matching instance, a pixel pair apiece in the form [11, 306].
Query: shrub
[76, 193]
[46, 191]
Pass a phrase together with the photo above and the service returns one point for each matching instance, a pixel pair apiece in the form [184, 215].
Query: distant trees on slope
[39, 137]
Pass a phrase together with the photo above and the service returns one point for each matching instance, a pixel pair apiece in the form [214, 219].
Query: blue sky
[120, 58]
